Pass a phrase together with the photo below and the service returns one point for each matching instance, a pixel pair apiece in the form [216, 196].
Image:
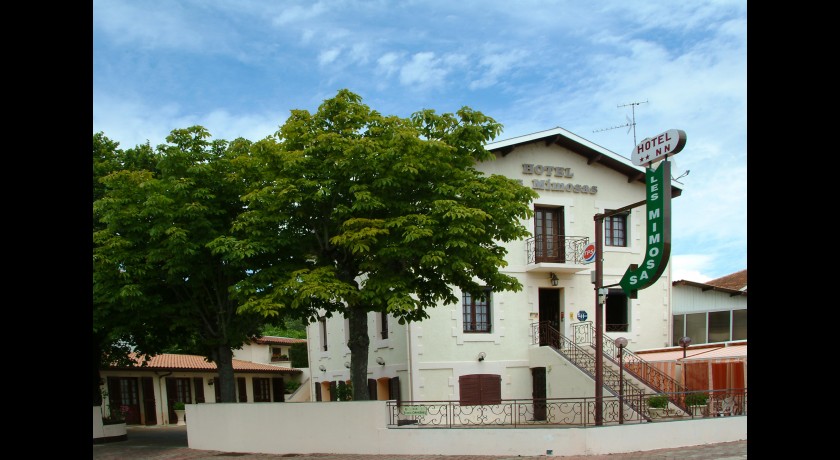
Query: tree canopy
[163, 274]
[387, 214]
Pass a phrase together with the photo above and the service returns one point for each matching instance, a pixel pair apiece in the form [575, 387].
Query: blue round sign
[581, 316]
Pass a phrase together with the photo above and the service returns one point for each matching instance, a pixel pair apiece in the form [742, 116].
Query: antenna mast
[630, 123]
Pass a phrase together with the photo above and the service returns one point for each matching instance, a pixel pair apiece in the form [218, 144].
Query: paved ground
[170, 442]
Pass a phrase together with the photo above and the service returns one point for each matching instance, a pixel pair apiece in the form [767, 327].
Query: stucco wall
[360, 427]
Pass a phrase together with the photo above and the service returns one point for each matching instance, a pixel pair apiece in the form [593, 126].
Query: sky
[611, 72]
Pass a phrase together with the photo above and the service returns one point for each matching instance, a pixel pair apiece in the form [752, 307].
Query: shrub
[696, 399]
[659, 401]
[291, 386]
[178, 405]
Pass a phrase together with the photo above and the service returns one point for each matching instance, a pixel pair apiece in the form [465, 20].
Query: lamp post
[621, 342]
[684, 343]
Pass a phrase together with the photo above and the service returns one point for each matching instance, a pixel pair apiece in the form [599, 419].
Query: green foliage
[659, 401]
[291, 386]
[166, 260]
[696, 399]
[178, 405]
[353, 195]
[298, 355]
[344, 391]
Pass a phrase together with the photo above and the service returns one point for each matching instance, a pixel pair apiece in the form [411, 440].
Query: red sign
[589, 253]
[658, 147]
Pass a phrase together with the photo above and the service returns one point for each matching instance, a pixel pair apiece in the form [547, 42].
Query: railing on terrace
[556, 249]
[559, 412]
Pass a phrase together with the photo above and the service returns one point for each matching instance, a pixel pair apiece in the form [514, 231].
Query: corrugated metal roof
[735, 351]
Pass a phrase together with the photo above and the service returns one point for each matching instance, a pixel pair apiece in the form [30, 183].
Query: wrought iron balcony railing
[567, 412]
[556, 249]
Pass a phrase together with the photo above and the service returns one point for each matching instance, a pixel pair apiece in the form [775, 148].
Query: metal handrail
[633, 364]
[544, 334]
[556, 249]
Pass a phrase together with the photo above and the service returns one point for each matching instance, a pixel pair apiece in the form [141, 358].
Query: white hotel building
[496, 344]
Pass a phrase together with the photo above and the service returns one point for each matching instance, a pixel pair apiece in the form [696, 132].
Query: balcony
[562, 254]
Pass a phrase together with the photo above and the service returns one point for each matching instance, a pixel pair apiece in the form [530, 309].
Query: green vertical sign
[658, 208]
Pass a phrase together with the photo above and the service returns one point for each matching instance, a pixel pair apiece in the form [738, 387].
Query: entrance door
[550, 329]
[538, 392]
[124, 396]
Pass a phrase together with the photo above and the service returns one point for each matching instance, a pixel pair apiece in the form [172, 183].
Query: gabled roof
[177, 362]
[273, 340]
[734, 284]
[593, 153]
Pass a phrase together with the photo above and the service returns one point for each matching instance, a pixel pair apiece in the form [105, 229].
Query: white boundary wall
[360, 427]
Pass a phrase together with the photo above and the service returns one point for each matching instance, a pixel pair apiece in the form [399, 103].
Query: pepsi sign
[589, 253]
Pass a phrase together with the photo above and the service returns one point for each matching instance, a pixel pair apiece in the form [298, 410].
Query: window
[477, 312]
[615, 230]
[711, 327]
[383, 325]
[277, 354]
[549, 244]
[480, 389]
[262, 389]
[322, 327]
[719, 330]
[617, 315]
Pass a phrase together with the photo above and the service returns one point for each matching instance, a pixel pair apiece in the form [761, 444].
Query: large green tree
[388, 213]
[163, 254]
[117, 328]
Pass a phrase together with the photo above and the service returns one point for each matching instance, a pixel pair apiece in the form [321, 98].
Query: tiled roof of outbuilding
[736, 281]
[171, 361]
[272, 340]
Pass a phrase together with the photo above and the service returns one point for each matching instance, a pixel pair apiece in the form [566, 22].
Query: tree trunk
[359, 345]
[227, 382]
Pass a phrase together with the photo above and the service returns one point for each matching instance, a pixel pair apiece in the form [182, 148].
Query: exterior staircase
[640, 379]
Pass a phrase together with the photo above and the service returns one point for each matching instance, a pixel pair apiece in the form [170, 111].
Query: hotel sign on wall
[658, 204]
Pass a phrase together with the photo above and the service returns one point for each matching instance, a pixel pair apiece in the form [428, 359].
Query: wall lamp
[553, 278]
[210, 382]
[323, 368]
[380, 360]
[347, 364]
[481, 356]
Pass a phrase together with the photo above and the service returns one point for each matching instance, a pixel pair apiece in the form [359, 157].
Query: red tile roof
[734, 284]
[736, 281]
[170, 361]
[272, 340]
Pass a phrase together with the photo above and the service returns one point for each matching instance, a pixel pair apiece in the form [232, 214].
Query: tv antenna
[630, 123]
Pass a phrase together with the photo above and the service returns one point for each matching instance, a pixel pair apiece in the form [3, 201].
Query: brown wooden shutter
[480, 389]
[114, 395]
[198, 382]
[332, 391]
[243, 389]
[217, 390]
[470, 389]
[279, 389]
[148, 388]
[171, 394]
[491, 388]
[372, 389]
[317, 391]
[394, 389]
